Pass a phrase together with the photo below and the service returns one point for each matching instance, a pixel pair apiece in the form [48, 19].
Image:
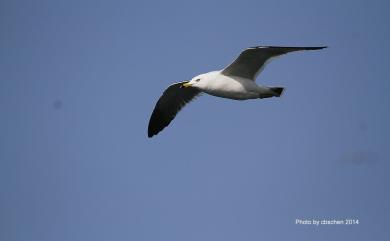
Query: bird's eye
[197, 80]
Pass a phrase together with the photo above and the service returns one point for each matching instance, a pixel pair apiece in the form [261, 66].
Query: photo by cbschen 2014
[318, 222]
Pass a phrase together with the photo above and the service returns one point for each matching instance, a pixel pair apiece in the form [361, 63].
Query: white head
[201, 81]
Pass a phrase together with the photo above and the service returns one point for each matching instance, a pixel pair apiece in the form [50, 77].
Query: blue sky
[79, 80]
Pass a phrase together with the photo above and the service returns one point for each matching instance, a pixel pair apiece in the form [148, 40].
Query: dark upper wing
[169, 104]
[252, 60]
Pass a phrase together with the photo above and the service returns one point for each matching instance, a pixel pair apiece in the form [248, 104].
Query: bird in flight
[236, 81]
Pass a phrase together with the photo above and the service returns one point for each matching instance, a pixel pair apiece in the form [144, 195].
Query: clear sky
[79, 80]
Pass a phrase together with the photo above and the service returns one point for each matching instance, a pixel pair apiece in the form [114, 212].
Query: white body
[231, 87]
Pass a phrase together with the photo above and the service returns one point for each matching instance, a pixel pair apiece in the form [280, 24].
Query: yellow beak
[187, 85]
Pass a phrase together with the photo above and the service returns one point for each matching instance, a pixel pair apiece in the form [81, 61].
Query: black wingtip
[291, 48]
[316, 48]
[151, 132]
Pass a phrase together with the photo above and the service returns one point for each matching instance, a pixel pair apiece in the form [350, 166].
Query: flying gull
[236, 81]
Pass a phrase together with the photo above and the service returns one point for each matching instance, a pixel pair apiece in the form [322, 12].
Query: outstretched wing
[252, 60]
[170, 103]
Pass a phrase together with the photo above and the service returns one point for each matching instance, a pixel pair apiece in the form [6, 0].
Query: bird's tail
[278, 91]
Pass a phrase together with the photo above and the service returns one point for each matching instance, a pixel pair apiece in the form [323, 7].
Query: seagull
[236, 81]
